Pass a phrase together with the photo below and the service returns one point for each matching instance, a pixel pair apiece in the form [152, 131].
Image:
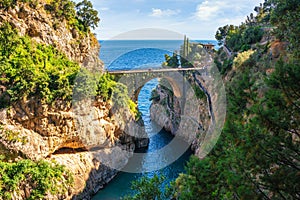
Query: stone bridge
[190, 116]
[207, 77]
[137, 78]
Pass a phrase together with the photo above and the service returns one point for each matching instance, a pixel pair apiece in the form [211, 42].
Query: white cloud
[218, 9]
[156, 12]
[208, 10]
[195, 19]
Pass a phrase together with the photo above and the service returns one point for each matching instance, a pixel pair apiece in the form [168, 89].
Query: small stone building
[208, 46]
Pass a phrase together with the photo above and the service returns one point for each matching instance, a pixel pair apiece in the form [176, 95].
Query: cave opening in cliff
[68, 150]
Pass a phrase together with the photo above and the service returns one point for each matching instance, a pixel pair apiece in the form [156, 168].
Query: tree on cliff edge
[87, 14]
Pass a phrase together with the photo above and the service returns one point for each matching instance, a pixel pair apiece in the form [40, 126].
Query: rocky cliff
[169, 116]
[44, 26]
[93, 151]
[86, 137]
[168, 112]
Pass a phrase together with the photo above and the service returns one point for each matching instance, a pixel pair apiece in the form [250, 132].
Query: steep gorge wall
[88, 138]
[54, 134]
[166, 111]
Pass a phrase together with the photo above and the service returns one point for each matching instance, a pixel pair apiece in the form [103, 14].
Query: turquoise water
[142, 54]
[120, 186]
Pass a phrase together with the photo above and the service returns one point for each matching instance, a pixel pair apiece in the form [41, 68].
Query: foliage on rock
[38, 178]
[82, 15]
[109, 89]
[241, 58]
[29, 69]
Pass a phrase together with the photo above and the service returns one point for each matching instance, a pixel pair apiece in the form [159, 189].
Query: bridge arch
[136, 81]
[177, 91]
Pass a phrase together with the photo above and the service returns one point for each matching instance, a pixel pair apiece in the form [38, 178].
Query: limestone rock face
[36, 131]
[166, 111]
[277, 49]
[161, 118]
[59, 127]
[189, 122]
[45, 28]
[93, 169]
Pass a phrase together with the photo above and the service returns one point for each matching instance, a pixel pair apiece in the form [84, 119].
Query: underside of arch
[175, 88]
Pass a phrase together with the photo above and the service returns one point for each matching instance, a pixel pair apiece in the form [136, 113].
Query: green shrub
[64, 9]
[234, 41]
[242, 58]
[6, 4]
[85, 85]
[171, 61]
[239, 38]
[13, 136]
[29, 69]
[43, 177]
[147, 188]
[109, 89]
[252, 35]
[134, 110]
[105, 86]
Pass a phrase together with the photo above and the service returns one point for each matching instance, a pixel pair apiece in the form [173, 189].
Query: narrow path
[227, 51]
[207, 96]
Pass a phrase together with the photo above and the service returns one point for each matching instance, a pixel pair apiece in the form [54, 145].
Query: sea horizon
[111, 50]
[197, 40]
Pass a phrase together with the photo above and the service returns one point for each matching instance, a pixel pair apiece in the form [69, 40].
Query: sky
[198, 19]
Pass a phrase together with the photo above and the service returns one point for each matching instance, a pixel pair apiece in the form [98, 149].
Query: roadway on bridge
[153, 70]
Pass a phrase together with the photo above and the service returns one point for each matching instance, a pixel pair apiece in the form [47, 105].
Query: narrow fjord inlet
[120, 186]
[130, 53]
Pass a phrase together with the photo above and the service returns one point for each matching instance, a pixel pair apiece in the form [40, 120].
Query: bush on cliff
[148, 188]
[41, 178]
[109, 89]
[28, 69]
